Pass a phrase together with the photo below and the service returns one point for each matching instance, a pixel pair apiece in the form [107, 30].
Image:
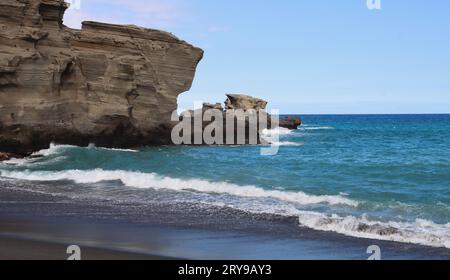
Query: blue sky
[307, 57]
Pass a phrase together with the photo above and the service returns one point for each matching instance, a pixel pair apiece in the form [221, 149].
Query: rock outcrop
[290, 122]
[112, 85]
[235, 124]
[244, 102]
[5, 156]
[250, 119]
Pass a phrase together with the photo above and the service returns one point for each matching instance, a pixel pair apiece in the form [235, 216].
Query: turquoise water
[381, 177]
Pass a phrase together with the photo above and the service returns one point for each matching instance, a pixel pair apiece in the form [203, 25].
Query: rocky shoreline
[6, 156]
[115, 86]
[112, 85]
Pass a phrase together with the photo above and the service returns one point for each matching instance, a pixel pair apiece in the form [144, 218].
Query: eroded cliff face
[112, 85]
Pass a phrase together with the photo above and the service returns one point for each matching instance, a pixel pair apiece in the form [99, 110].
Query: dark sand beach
[41, 226]
[333, 138]
[25, 249]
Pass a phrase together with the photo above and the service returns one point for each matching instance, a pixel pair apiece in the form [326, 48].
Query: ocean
[378, 177]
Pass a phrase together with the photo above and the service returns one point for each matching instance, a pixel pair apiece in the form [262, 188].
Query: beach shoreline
[40, 226]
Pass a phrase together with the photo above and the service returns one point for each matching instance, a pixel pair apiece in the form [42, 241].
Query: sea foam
[420, 231]
[272, 136]
[53, 149]
[56, 148]
[151, 180]
[276, 132]
[316, 128]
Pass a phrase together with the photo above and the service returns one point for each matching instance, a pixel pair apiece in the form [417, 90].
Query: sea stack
[242, 115]
[246, 102]
[112, 85]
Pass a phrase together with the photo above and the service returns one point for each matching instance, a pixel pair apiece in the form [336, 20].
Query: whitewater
[365, 177]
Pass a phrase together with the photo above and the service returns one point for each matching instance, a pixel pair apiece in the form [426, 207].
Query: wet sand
[24, 249]
[41, 226]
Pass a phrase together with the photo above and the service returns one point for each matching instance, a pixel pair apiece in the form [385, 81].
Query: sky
[304, 56]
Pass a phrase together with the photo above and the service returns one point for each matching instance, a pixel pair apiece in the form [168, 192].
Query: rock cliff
[112, 85]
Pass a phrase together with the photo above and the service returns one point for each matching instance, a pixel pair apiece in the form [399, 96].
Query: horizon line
[362, 114]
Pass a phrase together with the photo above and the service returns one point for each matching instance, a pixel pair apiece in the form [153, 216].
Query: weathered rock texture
[252, 109]
[112, 85]
[290, 122]
[5, 156]
[244, 102]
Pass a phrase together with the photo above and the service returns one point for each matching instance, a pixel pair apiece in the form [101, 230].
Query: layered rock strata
[111, 85]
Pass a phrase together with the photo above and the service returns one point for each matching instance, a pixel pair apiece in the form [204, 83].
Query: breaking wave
[353, 223]
[154, 181]
[272, 136]
[53, 149]
[421, 231]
